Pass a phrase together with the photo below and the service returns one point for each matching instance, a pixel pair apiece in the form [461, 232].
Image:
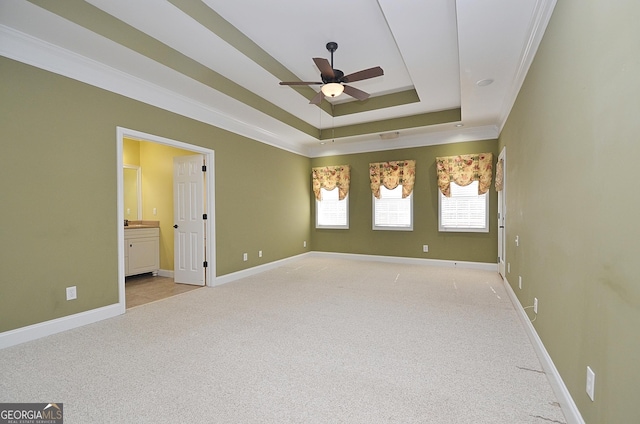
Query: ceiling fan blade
[300, 83]
[317, 98]
[325, 67]
[364, 74]
[354, 92]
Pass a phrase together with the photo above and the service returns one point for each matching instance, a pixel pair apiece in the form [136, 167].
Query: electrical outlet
[155, 211]
[591, 382]
[304, 243]
[535, 305]
[259, 253]
[520, 282]
[517, 241]
[425, 248]
[71, 293]
[245, 256]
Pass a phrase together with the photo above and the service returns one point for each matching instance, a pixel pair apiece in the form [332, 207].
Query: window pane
[391, 211]
[331, 212]
[464, 210]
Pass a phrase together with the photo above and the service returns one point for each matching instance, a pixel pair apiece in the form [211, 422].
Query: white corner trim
[482, 266]
[47, 328]
[569, 407]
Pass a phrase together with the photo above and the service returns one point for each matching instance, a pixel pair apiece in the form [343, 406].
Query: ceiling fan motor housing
[337, 77]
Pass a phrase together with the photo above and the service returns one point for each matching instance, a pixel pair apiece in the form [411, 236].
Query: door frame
[502, 213]
[209, 155]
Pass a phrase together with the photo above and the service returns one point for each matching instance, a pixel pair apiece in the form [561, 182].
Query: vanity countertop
[142, 224]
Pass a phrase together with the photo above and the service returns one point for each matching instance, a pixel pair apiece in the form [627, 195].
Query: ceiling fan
[333, 80]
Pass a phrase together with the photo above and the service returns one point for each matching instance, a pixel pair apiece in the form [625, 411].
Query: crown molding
[371, 144]
[38, 53]
[540, 19]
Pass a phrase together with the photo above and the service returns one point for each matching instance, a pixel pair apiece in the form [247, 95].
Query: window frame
[484, 229]
[391, 227]
[332, 227]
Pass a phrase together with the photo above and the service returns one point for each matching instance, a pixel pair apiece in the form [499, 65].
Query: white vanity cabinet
[141, 250]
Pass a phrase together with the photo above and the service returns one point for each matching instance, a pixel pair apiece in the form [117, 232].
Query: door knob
[175, 226]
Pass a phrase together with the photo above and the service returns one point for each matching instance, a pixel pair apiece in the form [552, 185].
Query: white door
[189, 222]
[502, 249]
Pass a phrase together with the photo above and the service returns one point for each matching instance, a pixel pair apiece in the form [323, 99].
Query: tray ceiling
[221, 62]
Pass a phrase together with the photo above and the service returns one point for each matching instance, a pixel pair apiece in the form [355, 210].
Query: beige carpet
[316, 341]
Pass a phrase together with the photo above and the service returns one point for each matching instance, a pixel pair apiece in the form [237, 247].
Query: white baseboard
[227, 278]
[483, 266]
[47, 328]
[165, 273]
[569, 407]
[391, 259]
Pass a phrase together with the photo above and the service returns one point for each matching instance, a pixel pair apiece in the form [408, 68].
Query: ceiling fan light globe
[332, 89]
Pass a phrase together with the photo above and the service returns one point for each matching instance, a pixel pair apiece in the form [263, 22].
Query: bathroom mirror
[132, 193]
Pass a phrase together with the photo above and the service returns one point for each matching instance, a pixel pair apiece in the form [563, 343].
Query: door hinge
[204, 216]
[204, 168]
[205, 264]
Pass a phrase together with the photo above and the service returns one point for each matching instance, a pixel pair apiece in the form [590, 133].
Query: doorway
[166, 222]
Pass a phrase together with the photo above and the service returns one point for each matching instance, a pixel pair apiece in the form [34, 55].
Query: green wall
[360, 238]
[572, 146]
[571, 140]
[59, 194]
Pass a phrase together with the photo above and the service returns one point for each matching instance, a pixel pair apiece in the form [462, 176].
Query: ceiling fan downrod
[332, 46]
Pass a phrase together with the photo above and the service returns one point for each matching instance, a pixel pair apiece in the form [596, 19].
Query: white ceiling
[440, 48]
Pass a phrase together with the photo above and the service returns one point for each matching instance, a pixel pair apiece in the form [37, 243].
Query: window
[465, 210]
[391, 211]
[332, 212]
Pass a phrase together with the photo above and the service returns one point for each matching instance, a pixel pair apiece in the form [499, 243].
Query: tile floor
[145, 288]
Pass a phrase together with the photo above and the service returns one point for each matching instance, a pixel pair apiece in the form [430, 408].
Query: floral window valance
[330, 177]
[392, 174]
[463, 170]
